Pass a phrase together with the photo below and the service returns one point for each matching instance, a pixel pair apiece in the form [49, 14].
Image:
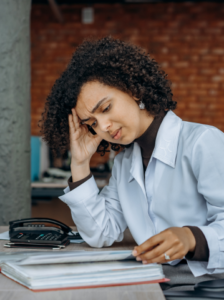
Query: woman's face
[114, 115]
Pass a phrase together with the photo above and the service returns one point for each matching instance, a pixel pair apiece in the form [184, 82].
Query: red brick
[218, 78]
[187, 40]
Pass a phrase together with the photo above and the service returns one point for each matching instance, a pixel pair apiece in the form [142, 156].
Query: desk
[47, 190]
[10, 290]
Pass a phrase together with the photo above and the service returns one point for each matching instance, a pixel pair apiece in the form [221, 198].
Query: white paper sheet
[75, 256]
[4, 236]
[52, 257]
[76, 241]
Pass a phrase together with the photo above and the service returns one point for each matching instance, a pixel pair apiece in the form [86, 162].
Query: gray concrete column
[15, 192]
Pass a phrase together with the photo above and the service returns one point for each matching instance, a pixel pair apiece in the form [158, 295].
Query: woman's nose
[104, 124]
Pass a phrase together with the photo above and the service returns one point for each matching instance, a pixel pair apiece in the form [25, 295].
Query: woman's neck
[146, 120]
[147, 140]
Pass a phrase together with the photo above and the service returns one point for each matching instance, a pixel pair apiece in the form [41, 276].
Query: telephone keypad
[40, 237]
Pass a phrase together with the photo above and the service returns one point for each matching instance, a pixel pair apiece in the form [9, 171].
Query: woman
[166, 184]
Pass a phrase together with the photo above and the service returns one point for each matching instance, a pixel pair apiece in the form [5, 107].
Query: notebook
[90, 272]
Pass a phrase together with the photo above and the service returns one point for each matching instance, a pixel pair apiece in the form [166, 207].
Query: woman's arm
[207, 161]
[208, 168]
[98, 217]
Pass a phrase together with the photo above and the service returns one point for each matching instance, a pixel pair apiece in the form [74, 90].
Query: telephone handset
[91, 130]
[34, 224]
[40, 232]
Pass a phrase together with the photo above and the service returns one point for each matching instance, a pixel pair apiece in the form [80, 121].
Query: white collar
[167, 139]
[165, 147]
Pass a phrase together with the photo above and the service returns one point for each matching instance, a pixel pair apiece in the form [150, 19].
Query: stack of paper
[47, 270]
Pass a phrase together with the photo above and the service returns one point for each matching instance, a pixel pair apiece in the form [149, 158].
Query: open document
[49, 257]
[49, 270]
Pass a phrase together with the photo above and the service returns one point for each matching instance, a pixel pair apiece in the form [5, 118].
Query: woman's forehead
[91, 93]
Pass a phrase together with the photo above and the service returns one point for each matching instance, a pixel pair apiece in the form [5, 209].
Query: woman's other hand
[83, 144]
[176, 242]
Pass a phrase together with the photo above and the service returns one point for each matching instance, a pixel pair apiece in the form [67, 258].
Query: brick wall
[187, 39]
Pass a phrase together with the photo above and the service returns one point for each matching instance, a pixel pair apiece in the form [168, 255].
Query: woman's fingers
[162, 255]
[74, 126]
[155, 252]
[75, 119]
[177, 256]
[173, 253]
[149, 244]
[74, 133]
[174, 241]
[71, 124]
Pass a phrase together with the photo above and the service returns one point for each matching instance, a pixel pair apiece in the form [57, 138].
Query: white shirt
[183, 185]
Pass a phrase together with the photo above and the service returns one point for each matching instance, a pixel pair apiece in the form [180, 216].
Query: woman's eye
[107, 108]
[94, 124]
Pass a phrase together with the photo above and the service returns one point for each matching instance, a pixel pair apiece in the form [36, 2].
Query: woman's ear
[136, 99]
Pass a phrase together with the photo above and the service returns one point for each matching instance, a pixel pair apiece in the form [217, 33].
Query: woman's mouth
[117, 134]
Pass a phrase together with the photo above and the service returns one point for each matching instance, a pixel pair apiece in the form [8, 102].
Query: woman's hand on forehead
[83, 144]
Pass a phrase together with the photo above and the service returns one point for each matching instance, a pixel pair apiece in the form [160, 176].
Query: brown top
[147, 140]
[201, 252]
[147, 143]
[74, 185]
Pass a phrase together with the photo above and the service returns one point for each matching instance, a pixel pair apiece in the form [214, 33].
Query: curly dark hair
[114, 63]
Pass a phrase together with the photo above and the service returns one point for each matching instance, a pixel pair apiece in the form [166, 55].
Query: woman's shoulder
[196, 133]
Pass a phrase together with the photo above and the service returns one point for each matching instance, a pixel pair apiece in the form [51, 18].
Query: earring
[141, 105]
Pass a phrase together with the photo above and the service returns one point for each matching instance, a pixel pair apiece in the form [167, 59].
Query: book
[83, 269]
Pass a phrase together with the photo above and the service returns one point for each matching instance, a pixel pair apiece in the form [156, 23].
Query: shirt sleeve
[99, 217]
[207, 161]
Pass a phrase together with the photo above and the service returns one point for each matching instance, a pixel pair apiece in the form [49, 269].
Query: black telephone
[91, 130]
[40, 232]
